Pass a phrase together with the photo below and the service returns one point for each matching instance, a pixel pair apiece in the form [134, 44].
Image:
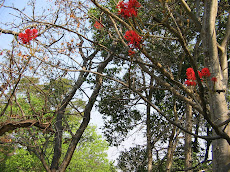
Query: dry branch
[9, 126]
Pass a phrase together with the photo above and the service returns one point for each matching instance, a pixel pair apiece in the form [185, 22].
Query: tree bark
[149, 133]
[172, 141]
[9, 126]
[58, 125]
[218, 103]
[171, 147]
[57, 141]
[87, 112]
[188, 139]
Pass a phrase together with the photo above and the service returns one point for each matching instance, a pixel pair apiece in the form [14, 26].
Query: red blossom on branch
[133, 4]
[214, 79]
[205, 72]
[190, 74]
[129, 8]
[131, 52]
[190, 83]
[28, 35]
[133, 38]
[200, 75]
[98, 25]
[191, 77]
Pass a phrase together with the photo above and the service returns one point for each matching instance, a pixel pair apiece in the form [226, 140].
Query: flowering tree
[159, 46]
[199, 34]
[51, 45]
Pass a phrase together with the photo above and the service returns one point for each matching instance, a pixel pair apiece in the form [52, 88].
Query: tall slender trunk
[172, 141]
[149, 146]
[171, 147]
[57, 141]
[220, 147]
[87, 112]
[149, 133]
[188, 139]
[218, 103]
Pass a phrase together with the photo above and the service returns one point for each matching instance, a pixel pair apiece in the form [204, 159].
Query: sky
[5, 39]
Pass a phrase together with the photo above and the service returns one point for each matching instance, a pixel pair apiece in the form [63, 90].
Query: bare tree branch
[9, 126]
[191, 15]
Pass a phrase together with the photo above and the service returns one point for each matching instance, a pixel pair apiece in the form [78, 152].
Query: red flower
[98, 25]
[205, 72]
[133, 4]
[129, 8]
[187, 82]
[131, 52]
[214, 79]
[200, 74]
[121, 5]
[28, 35]
[193, 83]
[190, 74]
[133, 38]
[190, 83]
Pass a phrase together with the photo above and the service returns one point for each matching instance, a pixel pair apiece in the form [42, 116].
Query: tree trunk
[87, 112]
[188, 139]
[149, 147]
[57, 141]
[171, 148]
[172, 141]
[218, 103]
[149, 134]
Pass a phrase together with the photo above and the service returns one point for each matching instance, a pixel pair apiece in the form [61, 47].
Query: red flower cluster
[129, 8]
[98, 25]
[133, 38]
[205, 72]
[28, 35]
[131, 52]
[214, 79]
[191, 76]
[190, 83]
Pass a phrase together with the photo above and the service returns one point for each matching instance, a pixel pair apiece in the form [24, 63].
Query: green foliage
[119, 116]
[90, 154]
[21, 161]
[5, 152]
[134, 159]
[56, 89]
[27, 84]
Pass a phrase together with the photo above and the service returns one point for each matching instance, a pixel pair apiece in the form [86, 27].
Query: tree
[41, 48]
[165, 42]
[22, 160]
[185, 30]
[89, 155]
[134, 159]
